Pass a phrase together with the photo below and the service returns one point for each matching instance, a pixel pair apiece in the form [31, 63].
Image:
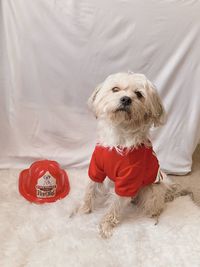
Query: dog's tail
[175, 190]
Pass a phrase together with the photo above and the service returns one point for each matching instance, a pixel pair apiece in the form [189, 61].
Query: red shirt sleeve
[95, 171]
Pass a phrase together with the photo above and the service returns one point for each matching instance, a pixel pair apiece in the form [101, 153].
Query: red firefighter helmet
[44, 182]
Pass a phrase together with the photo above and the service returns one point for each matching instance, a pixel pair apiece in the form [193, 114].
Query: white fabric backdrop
[54, 52]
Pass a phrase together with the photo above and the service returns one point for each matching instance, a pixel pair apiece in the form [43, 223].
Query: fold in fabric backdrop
[54, 52]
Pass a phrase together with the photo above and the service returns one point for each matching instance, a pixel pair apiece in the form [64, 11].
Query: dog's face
[125, 98]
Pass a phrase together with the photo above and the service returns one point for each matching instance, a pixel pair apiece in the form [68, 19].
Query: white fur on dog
[126, 129]
[42, 235]
[125, 125]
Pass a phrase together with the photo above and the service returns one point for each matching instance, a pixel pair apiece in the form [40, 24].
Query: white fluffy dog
[126, 106]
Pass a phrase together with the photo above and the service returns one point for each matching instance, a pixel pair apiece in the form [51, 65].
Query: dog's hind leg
[151, 199]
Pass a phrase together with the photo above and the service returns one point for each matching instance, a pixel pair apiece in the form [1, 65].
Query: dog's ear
[156, 109]
[92, 98]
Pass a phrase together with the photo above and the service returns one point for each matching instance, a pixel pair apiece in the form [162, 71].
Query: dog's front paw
[79, 210]
[107, 224]
[84, 209]
[105, 229]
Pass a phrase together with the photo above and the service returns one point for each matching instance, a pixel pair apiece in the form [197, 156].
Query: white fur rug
[42, 235]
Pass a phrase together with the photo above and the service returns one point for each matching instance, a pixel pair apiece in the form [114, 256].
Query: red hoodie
[130, 169]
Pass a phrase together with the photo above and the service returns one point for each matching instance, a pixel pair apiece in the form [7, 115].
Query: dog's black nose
[125, 100]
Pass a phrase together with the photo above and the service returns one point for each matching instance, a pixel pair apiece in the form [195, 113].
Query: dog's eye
[115, 89]
[138, 94]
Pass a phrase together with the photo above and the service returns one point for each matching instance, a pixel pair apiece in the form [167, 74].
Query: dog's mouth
[123, 109]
